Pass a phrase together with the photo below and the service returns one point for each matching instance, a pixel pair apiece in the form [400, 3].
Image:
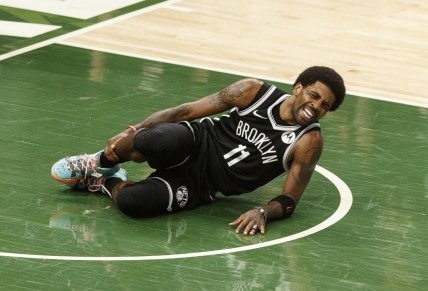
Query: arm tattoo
[214, 99]
[307, 168]
[228, 94]
[302, 178]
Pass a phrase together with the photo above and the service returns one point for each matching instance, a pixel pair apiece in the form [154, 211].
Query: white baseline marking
[82, 9]
[421, 103]
[23, 29]
[86, 29]
[179, 8]
[343, 208]
[174, 62]
[166, 4]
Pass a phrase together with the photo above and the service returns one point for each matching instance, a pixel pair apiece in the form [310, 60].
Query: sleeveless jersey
[248, 148]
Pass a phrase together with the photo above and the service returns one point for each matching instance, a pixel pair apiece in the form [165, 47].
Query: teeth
[308, 113]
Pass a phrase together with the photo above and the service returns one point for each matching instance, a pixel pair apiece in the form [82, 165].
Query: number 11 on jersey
[240, 151]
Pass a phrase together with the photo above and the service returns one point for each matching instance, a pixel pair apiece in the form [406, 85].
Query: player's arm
[239, 94]
[306, 154]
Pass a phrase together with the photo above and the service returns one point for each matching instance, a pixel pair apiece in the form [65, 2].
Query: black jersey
[248, 148]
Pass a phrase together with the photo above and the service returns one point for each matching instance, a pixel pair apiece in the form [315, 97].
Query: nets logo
[182, 196]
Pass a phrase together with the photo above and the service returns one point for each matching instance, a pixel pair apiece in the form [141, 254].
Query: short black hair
[327, 76]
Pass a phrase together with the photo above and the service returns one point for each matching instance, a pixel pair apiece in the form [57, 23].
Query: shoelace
[83, 164]
[95, 184]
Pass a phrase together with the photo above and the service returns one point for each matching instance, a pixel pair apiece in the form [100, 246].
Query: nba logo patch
[288, 138]
[182, 196]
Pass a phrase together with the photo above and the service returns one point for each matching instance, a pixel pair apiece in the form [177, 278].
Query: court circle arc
[345, 204]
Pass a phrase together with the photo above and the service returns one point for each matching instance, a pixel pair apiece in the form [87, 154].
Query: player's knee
[143, 199]
[151, 141]
[164, 145]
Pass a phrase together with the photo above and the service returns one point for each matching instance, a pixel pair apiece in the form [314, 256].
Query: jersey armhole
[285, 164]
[262, 91]
[265, 91]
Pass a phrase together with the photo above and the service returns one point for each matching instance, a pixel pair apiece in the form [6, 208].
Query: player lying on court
[266, 133]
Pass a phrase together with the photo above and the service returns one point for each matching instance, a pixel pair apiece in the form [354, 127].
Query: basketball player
[264, 134]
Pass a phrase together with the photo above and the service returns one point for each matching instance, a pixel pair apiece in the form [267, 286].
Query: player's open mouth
[307, 113]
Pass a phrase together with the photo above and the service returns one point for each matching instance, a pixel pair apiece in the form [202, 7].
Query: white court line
[24, 29]
[343, 208]
[86, 29]
[167, 4]
[422, 103]
[82, 9]
[179, 8]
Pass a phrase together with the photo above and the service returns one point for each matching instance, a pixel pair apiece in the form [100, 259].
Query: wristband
[132, 127]
[287, 204]
[263, 212]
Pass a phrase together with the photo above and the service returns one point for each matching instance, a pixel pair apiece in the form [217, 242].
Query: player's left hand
[250, 222]
[109, 150]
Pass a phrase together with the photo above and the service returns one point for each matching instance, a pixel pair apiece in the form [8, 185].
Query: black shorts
[180, 165]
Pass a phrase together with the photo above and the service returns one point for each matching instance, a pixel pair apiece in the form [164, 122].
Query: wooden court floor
[361, 224]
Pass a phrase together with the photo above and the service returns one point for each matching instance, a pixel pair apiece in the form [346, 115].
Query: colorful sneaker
[70, 170]
[96, 182]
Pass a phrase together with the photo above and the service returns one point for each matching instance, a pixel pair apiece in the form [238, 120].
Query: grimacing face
[312, 102]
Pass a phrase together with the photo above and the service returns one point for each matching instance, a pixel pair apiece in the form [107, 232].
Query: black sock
[106, 163]
[111, 183]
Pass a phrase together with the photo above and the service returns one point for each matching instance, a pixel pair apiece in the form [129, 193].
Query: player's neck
[286, 110]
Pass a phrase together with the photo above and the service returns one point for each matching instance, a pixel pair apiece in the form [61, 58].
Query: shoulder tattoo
[228, 94]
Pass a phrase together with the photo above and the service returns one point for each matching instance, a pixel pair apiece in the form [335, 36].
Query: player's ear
[297, 88]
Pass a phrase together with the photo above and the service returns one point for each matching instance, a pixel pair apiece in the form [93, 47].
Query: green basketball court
[361, 224]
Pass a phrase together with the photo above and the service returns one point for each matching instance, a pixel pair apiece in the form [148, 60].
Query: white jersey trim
[258, 103]
[275, 125]
[287, 151]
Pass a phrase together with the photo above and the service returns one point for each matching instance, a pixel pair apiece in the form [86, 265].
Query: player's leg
[70, 170]
[164, 146]
[162, 192]
[165, 191]
[106, 183]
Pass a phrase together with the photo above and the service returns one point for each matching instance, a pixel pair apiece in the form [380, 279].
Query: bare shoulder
[240, 93]
[313, 137]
